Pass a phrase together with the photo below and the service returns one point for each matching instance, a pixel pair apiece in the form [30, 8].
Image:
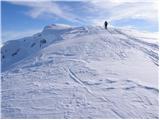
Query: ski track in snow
[85, 75]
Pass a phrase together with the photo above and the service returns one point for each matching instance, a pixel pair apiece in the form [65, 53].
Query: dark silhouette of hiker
[105, 24]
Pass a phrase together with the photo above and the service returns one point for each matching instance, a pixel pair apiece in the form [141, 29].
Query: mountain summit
[80, 72]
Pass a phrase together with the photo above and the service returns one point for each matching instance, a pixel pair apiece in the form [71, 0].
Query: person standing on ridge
[105, 24]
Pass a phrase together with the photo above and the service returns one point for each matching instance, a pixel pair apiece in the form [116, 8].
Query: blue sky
[20, 19]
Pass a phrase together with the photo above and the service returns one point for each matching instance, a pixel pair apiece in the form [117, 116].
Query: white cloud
[105, 9]
[145, 11]
[123, 9]
[47, 8]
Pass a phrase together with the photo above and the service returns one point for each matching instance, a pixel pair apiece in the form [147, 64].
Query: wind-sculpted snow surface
[84, 72]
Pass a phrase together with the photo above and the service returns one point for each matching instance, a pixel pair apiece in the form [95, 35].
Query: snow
[81, 72]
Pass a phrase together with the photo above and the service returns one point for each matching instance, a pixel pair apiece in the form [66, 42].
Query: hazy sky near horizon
[23, 18]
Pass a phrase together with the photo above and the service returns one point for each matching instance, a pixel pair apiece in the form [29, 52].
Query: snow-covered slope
[16, 50]
[83, 72]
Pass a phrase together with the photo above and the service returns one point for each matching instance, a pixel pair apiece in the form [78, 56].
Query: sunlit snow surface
[84, 72]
